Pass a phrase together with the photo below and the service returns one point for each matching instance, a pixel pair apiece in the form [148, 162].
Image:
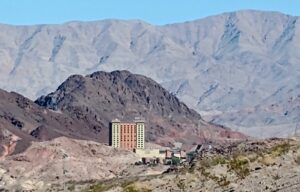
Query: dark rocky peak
[72, 83]
[98, 98]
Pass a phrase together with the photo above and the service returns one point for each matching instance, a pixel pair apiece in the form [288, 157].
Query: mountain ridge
[82, 107]
[249, 58]
[100, 97]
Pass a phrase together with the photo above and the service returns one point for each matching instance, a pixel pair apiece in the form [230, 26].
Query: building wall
[128, 135]
[149, 153]
[115, 133]
[140, 135]
[169, 154]
[180, 154]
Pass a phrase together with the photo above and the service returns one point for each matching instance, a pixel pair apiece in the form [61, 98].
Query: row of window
[132, 138]
[128, 128]
[127, 131]
[127, 140]
[129, 125]
[139, 140]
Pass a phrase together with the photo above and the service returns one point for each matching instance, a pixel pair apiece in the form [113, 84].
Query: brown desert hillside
[98, 98]
[82, 108]
[23, 121]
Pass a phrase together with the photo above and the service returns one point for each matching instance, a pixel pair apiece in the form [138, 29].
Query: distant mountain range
[82, 108]
[239, 69]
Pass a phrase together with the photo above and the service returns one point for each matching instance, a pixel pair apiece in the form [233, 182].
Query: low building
[166, 156]
[150, 154]
[181, 154]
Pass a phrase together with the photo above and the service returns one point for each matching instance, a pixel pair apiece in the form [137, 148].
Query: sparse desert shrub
[130, 188]
[191, 169]
[205, 163]
[240, 166]
[181, 185]
[126, 184]
[210, 162]
[267, 160]
[253, 157]
[203, 171]
[276, 177]
[133, 188]
[144, 189]
[222, 181]
[97, 188]
[219, 160]
[100, 187]
[71, 187]
[280, 149]
[297, 159]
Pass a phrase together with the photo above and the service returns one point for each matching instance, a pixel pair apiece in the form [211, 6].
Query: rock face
[61, 160]
[261, 165]
[82, 108]
[98, 98]
[239, 69]
[23, 121]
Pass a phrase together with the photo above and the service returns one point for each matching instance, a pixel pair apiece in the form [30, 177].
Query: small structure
[150, 154]
[175, 155]
[180, 154]
[177, 145]
[194, 152]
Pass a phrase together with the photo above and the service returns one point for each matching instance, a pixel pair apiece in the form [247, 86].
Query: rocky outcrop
[62, 160]
[22, 121]
[98, 98]
[261, 165]
[82, 108]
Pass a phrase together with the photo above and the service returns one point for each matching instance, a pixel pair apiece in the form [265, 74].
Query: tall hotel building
[128, 135]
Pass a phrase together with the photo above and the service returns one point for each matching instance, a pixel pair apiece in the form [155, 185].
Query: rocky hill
[22, 121]
[257, 165]
[82, 108]
[98, 98]
[77, 165]
[61, 160]
[239, 69]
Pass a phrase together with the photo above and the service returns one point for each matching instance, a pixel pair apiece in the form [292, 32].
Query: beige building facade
[128, 135]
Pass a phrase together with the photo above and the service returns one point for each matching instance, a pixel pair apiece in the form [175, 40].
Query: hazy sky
[159, 12]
